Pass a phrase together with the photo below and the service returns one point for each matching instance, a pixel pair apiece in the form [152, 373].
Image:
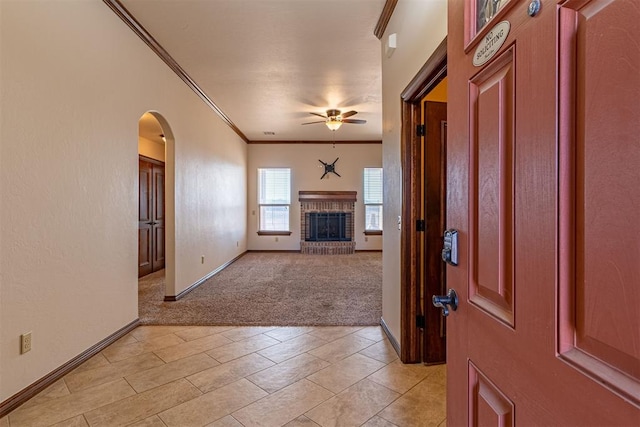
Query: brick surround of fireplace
[327, 202]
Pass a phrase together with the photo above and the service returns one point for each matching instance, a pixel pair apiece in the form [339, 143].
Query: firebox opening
[328, 227]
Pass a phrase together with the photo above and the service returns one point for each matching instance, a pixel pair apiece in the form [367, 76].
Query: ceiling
[267, 64]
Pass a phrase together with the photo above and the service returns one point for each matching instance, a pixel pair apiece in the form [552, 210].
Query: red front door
[543, 171]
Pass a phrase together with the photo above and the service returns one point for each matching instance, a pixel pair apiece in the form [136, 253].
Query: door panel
[599, 227]
[145, 219]
[542, 169]
[158, 217]
[491, 199]
[151, 246]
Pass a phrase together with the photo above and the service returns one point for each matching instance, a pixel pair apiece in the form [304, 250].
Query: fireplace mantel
[327, 196]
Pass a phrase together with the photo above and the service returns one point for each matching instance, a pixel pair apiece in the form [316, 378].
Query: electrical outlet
[25, 342]
[237, 244]
[366, 238]
[202, 259]
[276, 239]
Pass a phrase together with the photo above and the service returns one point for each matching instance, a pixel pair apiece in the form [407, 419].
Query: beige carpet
[279, 289]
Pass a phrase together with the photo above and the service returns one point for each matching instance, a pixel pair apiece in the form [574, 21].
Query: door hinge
[420, 130]
[420, 321]
[420, 225]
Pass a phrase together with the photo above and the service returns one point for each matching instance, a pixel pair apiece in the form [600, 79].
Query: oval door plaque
[491, 43]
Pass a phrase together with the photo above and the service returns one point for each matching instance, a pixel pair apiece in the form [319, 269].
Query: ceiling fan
[334, 119]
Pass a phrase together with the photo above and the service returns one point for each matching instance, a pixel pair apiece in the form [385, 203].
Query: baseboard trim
[392, 339]
[27, 393]
[170, 298]
[368, 250]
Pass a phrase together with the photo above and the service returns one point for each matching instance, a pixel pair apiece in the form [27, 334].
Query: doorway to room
[423, 155]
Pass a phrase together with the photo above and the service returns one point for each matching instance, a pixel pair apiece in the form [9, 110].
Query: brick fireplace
[327, 222]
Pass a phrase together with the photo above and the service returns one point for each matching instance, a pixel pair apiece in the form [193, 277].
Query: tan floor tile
[229, 372]
[423, 405]
[94, 362]
[373, 333]
[293, 370]
[401, 377]
[147, 332]
[227, 421]
[66, 407]
[301, 421]
[213, 405]
[146, 380]
[283, 406]
[382, 351]
[353, 406]
[438, 374]
[378, 422]
[443, 423]
[239, 334]
[4, 422]
[115, 353]
[330, 333]
[345, 373]
[143, 405]
[237, 349]
[55, 390]
[78, 421]
[126, 339]
[288, 332]
[196, 332]
[189, 348]
[341, 348]
[293, 347]
[104, 374]
[153, 421]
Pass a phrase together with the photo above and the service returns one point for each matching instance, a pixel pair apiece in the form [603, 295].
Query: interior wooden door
[542, 167]
[150, 216]
[434, 190]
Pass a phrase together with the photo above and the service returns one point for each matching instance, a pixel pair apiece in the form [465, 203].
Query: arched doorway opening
[156, 212]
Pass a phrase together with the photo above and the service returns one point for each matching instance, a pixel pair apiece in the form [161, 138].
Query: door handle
[149, 223]
[446, 301]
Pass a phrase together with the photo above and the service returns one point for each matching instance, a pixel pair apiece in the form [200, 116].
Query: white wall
[74, 81]
[306, 171]
[420, 25]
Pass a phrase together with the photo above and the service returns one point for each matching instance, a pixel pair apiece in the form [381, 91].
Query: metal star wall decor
[329, 168]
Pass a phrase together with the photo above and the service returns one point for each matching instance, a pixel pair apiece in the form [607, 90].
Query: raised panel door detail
[488, 405]
[491, 285]
[600, 192]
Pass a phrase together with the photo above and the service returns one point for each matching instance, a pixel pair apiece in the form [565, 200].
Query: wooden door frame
[429, 76]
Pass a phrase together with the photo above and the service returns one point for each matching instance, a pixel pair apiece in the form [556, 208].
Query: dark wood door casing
[434, 192]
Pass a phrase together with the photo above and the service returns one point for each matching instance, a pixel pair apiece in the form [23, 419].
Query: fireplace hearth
[326, 222]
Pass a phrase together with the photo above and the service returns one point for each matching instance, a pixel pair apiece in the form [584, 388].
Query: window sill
[274, 233]
[373, 233]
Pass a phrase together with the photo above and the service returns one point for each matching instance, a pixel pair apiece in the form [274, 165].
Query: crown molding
[146, 37]
[385, 16]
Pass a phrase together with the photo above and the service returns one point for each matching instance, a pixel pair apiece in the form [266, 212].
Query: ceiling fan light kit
[334, 119]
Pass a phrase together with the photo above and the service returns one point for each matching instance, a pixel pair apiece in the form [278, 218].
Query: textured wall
[75, 80]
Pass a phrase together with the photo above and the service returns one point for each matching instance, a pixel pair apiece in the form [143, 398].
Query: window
[373, 199]
[274, 198]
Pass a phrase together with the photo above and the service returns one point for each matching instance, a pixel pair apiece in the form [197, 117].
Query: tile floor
[243, 376]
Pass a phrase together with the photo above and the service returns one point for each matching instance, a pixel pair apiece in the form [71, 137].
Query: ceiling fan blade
[310, 123]
[354, 121]
[349, 114]
[319, 115]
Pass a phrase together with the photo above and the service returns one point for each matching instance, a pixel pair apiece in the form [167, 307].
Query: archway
[156, 146]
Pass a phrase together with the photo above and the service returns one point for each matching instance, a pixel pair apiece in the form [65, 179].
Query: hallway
[243, 376]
